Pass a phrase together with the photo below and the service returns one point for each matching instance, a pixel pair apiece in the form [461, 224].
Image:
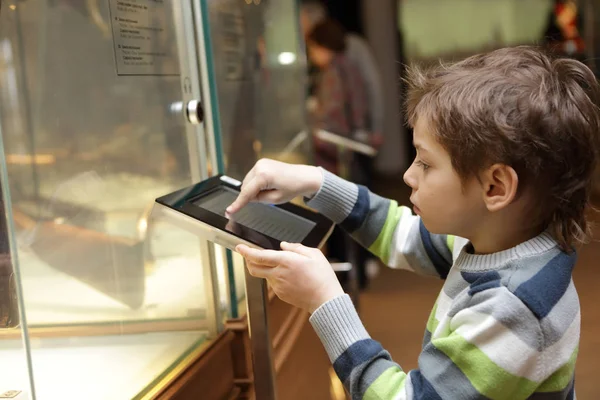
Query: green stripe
[432, 323]
[450, 242]
[486, 377]
[387, 386]
[381, 247]
[559, 380]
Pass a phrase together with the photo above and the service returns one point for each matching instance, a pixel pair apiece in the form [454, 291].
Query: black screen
[266, 219]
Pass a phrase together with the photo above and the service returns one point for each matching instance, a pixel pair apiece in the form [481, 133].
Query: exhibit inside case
[95, 125]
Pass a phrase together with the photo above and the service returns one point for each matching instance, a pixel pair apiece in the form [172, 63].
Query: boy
[506, 145]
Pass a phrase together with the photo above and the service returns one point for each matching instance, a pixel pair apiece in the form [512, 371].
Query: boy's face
[446, 204]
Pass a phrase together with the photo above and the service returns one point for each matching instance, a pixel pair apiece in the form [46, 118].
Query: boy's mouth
[416, 209]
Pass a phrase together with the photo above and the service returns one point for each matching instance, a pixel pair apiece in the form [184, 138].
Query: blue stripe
[484, 286]
[480, 281]
[355, 355]
[422, 388]
[542, 291]
[359, 212]
[441, 265]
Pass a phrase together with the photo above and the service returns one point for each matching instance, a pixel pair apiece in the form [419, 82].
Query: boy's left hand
[299, 275]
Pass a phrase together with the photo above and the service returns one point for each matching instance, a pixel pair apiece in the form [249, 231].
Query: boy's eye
[422, 165]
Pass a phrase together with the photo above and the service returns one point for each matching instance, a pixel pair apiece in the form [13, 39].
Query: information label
[144, 37]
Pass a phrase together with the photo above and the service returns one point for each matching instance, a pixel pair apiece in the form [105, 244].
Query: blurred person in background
[341, 103]
[341, 108]
[358, 52]
[312, 12]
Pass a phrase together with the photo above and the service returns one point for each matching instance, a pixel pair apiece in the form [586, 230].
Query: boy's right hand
[275, 182]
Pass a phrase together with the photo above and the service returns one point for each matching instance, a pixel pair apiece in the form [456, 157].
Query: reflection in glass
[260, 74]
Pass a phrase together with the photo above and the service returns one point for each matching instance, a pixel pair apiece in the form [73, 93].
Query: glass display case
[95, 124]
[111, 299]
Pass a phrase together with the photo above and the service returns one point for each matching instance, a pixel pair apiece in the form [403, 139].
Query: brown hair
[330, 35]
[519, 107]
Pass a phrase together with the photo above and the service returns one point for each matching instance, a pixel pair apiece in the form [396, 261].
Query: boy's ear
[500, 183]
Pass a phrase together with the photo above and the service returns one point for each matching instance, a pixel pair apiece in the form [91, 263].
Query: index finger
[249, 176]
[247, 194]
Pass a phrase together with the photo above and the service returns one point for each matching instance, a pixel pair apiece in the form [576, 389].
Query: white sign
[144, 37]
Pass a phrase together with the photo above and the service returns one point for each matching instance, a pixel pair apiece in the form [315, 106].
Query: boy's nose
[410, 179]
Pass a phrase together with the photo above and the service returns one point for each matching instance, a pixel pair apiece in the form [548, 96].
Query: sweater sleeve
[471, 355]
[389, 231]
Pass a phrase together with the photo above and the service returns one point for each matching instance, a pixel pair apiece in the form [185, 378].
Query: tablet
[201, 208]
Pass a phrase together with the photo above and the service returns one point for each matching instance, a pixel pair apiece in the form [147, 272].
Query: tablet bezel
[182, 201]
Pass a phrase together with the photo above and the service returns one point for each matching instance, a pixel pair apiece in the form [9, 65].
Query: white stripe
[407, 393]
[403, 395]
[459, 243]
[399, 240]
[508, 351]
[444, 303]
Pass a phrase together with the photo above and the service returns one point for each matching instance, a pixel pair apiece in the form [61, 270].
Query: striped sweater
[504, 326]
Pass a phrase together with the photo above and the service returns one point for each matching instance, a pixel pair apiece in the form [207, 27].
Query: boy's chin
[436, 229]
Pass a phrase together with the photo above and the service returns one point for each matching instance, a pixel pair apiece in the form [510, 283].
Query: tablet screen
[266, 219]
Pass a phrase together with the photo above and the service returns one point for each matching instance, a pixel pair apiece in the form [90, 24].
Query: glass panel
[260, 73]
[92, 136]
[14, 376]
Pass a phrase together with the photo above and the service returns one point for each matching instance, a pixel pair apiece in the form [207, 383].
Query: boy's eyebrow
[419, 147]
